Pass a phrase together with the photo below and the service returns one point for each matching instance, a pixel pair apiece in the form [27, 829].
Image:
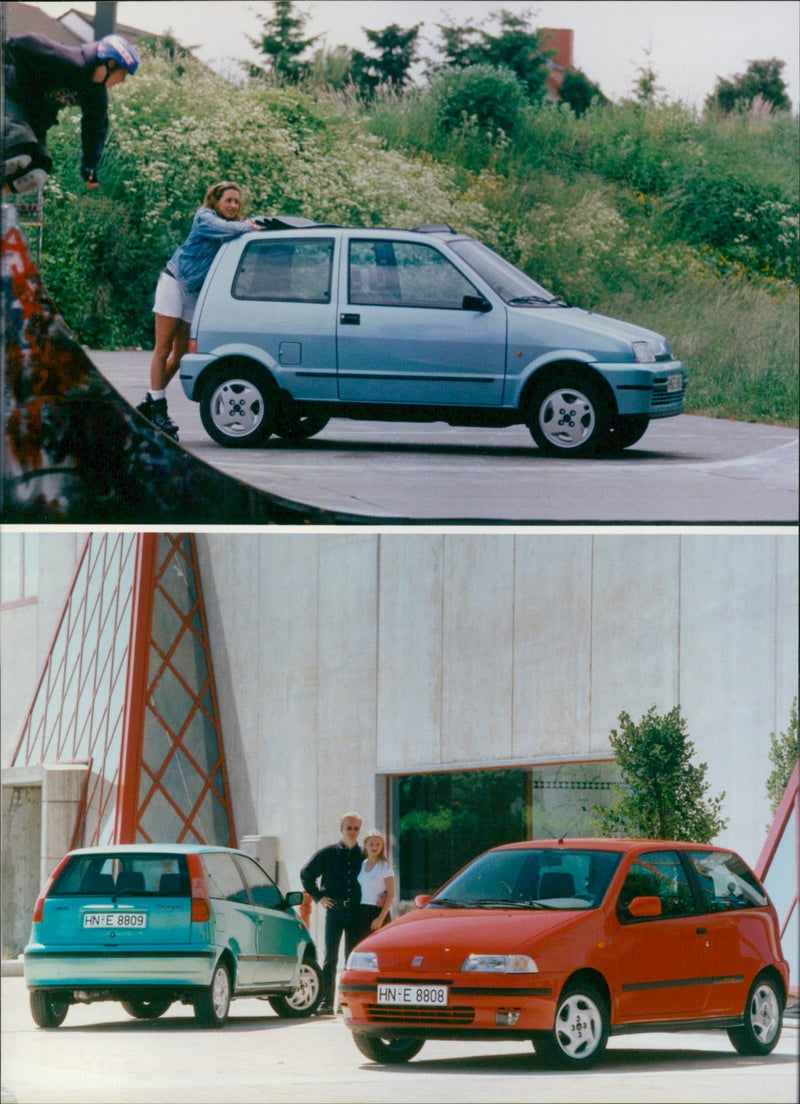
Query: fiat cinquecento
[299, 323]
[562, 943]
[149, 925]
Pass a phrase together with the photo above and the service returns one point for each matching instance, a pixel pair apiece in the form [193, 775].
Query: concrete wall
[347, 655]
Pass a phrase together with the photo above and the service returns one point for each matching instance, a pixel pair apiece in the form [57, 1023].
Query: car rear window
[289, 270]
[160, 875]
[725, 882]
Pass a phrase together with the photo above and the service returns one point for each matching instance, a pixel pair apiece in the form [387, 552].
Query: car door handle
[701, 931]
[350, 319]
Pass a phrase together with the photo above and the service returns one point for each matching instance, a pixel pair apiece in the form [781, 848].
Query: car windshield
[531, 878]
[513, 286]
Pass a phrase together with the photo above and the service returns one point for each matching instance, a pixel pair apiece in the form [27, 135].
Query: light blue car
[149, 925]
[298, 323]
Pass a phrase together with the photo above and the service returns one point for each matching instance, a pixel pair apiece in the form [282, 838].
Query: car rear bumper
[81, 968]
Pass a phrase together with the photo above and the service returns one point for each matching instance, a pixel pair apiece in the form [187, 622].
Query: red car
[564, 943]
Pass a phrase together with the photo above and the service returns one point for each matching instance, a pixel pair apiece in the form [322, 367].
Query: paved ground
[685, 469]
[101, 1056]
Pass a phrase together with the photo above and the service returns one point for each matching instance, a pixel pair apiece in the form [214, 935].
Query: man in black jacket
[40, 78]
[331, 878]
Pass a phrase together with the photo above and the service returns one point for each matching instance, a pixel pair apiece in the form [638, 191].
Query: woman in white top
[376, 879]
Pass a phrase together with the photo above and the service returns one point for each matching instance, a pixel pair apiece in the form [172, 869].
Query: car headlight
[499, 964]
[643, 352]
[362, 960]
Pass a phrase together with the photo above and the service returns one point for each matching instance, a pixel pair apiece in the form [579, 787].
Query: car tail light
[192, 348]
[201, 903]
[38, 908]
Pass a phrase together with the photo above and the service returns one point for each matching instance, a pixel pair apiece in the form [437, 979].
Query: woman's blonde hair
[378, 834]
[216, 192]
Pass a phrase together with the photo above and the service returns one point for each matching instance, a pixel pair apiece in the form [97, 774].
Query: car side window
[286, 269]
[725, 883]
[404, 274]
[656, 874]
[262, 888]
[223, 878]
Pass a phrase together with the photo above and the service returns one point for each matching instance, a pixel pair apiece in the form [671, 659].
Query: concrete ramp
[75, 452]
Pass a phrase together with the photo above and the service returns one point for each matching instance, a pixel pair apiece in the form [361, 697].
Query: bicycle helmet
[116, 48]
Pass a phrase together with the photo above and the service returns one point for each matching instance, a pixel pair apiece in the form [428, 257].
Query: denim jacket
[191, 261]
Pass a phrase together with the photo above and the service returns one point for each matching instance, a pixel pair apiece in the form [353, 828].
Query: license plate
[427, 995]
[674, 383]
[115, 920]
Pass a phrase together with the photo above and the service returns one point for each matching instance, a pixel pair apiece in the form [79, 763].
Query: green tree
[397, 51]
[662, 794]
[761, 79]
[578, 92]
[515, 45]
[783, 754]
[282, 42]
[646, 89]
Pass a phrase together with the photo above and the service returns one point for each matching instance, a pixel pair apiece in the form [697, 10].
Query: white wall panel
[552, 638]
[634, 628]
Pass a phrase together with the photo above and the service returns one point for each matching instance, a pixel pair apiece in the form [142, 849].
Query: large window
[287, 269]
[441, 821]
[404, 274]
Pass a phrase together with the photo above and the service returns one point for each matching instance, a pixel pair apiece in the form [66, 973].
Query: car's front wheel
[568, 417]
[763, 1019]
[580, 1029]
[390, 1052]
[48, 1009]
[147, 1009]
[626, 430]
[237, 407]
[304, 1001]
[212, 1005]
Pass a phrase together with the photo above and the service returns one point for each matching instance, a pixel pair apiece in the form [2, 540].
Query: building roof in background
[73, 28]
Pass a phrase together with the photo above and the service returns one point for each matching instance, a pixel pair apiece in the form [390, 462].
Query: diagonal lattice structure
[127, 691]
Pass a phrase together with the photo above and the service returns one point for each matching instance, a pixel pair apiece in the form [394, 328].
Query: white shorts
[172, 301]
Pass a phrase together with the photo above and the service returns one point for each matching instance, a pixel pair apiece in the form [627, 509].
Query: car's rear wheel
[147, 1009]
[390, 1052]
[763, 1019]
[304, 1001]
[568, 417]
[212, 1005]
[580, 1029]
[627, 430]
[298, 426]
[48, 1009]
[237, 407]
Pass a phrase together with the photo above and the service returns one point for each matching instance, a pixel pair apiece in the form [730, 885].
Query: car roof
[596, 843]
[296, 222]
[154, 849]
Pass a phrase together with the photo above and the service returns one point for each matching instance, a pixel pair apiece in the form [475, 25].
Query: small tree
[397, 51]
[761, 80]
[662, 794]
[516, 46]
[282, 42]
[783, 754]
[578, 92]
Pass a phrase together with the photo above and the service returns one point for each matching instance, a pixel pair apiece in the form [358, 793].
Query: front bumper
[500, 1007]
[657, 390]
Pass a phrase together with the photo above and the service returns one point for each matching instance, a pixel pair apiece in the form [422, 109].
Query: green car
[149, 925]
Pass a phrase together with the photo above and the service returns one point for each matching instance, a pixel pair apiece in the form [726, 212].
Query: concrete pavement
[100, 1055]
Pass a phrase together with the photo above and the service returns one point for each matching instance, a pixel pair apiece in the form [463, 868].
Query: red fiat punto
[564, 943]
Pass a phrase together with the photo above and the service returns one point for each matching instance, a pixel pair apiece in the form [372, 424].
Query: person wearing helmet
[41, 77]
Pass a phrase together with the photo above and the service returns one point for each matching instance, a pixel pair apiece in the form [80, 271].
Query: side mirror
[422, 899]
[641, 907]
[294, 897]
[475, 303]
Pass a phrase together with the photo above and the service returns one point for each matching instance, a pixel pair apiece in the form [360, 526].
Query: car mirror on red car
[641, 907]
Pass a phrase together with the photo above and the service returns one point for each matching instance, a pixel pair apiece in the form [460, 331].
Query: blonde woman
[376, 879]
[178, 287]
